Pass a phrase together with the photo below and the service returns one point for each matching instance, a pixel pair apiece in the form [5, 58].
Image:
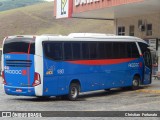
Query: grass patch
[38, 19]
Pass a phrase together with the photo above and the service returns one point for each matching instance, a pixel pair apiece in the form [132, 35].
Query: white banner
[62, 9]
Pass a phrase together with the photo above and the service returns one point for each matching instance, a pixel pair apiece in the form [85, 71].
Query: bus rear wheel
[135, 83]
[107, 90]
[73, 91]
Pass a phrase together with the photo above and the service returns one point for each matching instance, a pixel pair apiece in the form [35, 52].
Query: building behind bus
[138, 18]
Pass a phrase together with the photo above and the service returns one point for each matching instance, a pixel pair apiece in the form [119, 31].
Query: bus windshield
[19, 45]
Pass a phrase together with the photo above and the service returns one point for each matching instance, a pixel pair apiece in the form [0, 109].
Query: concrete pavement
[154, 87]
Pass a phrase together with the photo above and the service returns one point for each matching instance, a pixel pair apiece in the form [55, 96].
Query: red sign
[24, 72]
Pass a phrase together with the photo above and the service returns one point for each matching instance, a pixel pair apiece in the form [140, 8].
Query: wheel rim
[135, 83]
[74, 92]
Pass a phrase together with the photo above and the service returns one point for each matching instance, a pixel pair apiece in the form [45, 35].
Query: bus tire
[73, 91]
[107, 90]
[135, 83]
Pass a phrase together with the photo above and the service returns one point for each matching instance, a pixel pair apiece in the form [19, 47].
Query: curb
[149, 91]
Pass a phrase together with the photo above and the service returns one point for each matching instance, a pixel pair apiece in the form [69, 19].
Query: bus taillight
[140, 64]
[37, 79]
[3, 77]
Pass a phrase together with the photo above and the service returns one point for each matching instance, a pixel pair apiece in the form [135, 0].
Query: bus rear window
[19, 45]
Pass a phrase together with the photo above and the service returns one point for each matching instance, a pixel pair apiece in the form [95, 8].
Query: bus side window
[132, 50]
[119, 50]
[108, 48]
[93, 50]
[122, 50]
[102, 50]
[67, 51]
[85, 51]
[143, 47]
[135, 52]
[76, 49]
[57, 51]
[129, 51]
[115, 50]
[53, 50]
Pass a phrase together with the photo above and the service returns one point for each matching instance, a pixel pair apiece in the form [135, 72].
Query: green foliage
[12, 4]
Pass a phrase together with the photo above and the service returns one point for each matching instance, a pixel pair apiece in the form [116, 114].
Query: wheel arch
[138, 75]
[76, 81]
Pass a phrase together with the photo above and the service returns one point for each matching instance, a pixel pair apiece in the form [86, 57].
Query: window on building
[149, 29]
[121, 30]
[131, 30]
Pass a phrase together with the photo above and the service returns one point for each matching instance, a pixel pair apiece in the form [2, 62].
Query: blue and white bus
[67, 65]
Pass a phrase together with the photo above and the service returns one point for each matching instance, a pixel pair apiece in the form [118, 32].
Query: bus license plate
[18, 90]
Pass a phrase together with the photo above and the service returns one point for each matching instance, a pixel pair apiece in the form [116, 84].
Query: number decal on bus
[60, 71]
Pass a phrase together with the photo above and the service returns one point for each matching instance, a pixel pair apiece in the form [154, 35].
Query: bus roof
[23, 36]
[95, 37]
[85, 36]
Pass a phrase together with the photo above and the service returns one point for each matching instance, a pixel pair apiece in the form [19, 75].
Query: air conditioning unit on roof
[89, 35]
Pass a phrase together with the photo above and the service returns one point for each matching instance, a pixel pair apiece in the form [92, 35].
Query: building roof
[112, 9]
[142, 7]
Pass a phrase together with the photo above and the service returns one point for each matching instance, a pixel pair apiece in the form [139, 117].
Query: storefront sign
[83, 2]
[153, 43]
[62, 9]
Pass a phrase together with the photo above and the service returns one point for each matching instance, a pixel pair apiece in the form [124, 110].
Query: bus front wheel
[73, 91]
[135, 83]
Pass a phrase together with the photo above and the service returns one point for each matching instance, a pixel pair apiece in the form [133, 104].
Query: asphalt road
[115, 100]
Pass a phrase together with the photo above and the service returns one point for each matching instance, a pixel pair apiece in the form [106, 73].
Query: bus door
[147, 67]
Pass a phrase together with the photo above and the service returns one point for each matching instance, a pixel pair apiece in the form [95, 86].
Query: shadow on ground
[82, 97]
